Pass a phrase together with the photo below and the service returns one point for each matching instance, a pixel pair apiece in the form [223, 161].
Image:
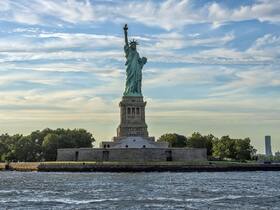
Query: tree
[24, 149]
[244, 150]
[4, 139]
[174, 140]
[74, 138]
[61, 138]
[12, 145]
[237, 149]
[224, 148]
[199, 141]
[209, 144]
[196, 141]
[50, 146]
[82, 138]
[42, 145]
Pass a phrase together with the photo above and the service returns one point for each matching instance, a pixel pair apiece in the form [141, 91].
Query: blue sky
[213, 66]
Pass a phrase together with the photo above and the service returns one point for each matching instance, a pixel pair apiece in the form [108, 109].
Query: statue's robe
[133, 72]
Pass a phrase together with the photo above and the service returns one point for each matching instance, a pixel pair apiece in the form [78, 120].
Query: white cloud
[175, 40]
[71, 11]
[249, 80]
[34, 78]
[217, 106]
[57, 105]
[169, 14]
[36, 12]
[187, 75]
[263, 10]
[173, 14]
[265, 50]
[4, 6]
[77, 105]
[57, 41]
[60, 55]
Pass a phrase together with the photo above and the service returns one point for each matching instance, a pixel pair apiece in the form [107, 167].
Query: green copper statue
[134, 67]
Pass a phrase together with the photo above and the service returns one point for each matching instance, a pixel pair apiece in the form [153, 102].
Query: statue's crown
[133, 42]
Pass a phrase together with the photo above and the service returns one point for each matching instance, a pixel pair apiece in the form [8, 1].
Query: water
[229, 190]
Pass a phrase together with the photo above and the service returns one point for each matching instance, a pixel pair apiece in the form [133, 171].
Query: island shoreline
[136, 167]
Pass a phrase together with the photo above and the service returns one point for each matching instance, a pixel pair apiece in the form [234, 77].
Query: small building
[133, 142]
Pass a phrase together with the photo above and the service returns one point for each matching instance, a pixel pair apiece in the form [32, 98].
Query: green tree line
[217, 148]
[42, 145]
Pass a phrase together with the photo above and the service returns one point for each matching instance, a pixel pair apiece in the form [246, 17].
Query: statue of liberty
[134, 67]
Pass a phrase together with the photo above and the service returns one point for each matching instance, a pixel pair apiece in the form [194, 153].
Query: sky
[213, 66]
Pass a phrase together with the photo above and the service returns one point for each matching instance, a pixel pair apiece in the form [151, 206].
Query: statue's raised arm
[125, 28]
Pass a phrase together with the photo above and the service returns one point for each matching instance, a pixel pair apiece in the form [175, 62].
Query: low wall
[132, 154]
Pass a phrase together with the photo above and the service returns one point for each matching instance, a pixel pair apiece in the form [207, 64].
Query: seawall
[138, 167]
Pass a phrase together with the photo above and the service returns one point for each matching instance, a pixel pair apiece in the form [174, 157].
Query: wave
[58, 200]
[14, 191]
[75, 201]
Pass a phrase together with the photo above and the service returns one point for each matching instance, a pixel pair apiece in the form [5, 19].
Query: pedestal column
[132, 117]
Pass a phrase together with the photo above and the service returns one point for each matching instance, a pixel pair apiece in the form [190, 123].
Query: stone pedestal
[133, 130]
[132, 118]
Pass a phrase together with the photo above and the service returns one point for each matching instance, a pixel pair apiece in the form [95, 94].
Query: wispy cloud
[167, 14]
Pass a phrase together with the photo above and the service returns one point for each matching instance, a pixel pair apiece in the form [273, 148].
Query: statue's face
[133, 47]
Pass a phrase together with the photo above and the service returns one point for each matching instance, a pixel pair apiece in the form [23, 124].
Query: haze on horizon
[213, 66]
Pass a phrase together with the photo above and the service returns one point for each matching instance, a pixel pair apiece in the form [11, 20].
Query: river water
[221, 190]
